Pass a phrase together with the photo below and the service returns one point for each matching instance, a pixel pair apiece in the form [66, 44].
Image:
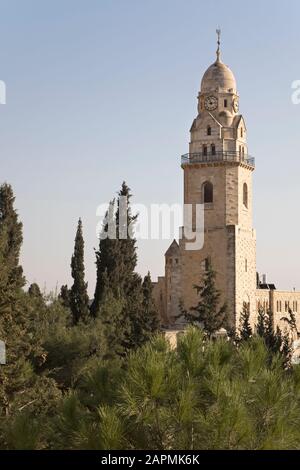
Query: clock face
[235, 105]
[210, 103]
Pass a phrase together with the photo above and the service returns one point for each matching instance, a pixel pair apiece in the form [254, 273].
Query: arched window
[242, 132]
[213, 149]
[205, 150]
[207, 192]
[245, 195]
[208, 130]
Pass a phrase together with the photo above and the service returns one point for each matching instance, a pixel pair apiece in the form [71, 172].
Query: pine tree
[79, 300]
[208, 313]
[245, 327]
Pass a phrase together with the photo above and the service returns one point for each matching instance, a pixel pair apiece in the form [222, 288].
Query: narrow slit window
[245, 195]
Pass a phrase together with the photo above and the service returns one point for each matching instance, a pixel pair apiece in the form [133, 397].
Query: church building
[217, 173]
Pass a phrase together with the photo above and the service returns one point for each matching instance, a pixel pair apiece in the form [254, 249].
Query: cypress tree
[134, 312]
[109, 299]
[11, 282]
[79, 300]
[261, 323]
[138, 307]
[116, 256]
[265, 329]
[208, 313]
[141, 312]
[16, 313]
[11, 238]
[116, 261]
[151, 318]
[107, 261]
[64, 296]
[35, 291]
[286, 350]
[125, 222]
[114, 320]
[276, 342]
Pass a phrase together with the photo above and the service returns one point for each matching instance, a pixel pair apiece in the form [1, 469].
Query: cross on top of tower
[218, 31]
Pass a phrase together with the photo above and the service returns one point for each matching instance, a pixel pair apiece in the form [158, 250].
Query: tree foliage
[133, 317]
[277, 342]
[206, 394]
[110, 380]
[245, 331]
[79, 300]
[208, 313]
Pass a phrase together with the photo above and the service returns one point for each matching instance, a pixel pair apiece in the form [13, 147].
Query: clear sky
[104, 90]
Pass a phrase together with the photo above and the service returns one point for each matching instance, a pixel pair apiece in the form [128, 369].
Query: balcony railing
[223, 156]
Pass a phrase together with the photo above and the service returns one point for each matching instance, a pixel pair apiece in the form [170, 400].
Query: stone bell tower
[218, 176]
[218, 173]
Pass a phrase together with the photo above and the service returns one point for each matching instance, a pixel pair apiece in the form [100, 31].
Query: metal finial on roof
[218, 31]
